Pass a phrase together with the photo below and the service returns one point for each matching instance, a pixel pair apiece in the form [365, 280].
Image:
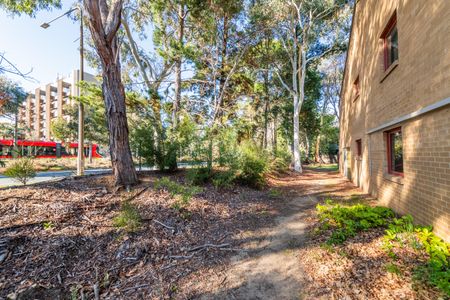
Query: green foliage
[253, 164]
[21, 170]
[393, 268]
[128, 218]
[282, 160]
[61, 130]
[347, 221]
[182, 193]
[437, 271]
[29, 7]
[48, 225]
[223, 179]
[274, 193]
[198, 176]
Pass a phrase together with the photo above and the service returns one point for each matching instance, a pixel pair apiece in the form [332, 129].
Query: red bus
[40, 149]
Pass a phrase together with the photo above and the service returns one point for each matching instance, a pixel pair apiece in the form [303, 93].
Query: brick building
[395, 107]
[47, 103]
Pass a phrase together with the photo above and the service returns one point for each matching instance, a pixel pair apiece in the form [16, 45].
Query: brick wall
[421, 78]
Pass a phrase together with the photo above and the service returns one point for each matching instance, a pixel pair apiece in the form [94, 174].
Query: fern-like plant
[21, 170]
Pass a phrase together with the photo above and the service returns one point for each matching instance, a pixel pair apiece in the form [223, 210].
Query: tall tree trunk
[317, 157]
[274, 135]
[297, 158]
[104, 21]
[113, 92]
[178, 62]
[266, 108]
[222, 76]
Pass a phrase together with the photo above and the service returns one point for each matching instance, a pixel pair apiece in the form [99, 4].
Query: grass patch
[324, 167]
[128, 218]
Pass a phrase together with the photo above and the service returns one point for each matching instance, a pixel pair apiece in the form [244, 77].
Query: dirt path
[269, 268]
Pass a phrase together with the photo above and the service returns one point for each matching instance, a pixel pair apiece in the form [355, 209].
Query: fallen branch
[164, 225]
[137, 194]
[208, 246]
[182, 256]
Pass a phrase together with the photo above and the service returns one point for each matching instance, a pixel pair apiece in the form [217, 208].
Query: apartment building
[395, 107]
[47, 103]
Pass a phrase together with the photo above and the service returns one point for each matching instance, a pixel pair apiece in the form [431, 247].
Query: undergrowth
[128, 218]
[181, 193]
[346, 221]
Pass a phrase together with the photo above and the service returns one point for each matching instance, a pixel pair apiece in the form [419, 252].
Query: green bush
[222, 179]
[21, 170]
[346, 221]
[129, 218]
[281, 160]
[198, 176]
[253, 164]
[437, 270]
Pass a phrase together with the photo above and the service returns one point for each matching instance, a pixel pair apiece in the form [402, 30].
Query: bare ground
[237, 243]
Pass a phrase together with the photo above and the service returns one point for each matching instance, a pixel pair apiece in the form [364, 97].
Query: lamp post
[80, 156]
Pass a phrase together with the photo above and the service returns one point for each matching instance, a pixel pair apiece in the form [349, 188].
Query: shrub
[346, 221]
[223, 179]
[281, 161]
[436, 271]
[253, 164]
[21, 170]
[129, 218]
[198, 176]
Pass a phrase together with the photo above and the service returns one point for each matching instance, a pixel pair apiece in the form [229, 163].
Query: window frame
[390, 154]
[391, 25]
[358, 148]
[356, 88]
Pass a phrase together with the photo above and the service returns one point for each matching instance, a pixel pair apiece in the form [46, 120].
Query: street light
[80, 157]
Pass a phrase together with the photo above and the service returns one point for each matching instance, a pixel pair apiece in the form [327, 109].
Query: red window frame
[389, 152]
[359, 147]
[386, 33]
[356, 87]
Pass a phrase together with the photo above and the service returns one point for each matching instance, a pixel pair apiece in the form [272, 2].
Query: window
[390, 42]
[395, 151]
[356, 88]
[358, 148]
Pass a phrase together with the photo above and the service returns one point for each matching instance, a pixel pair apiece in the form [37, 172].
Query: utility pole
[80, 156]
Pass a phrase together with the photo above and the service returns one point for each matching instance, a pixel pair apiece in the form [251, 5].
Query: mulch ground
[60, 240]
[360, 268]
[57, 241]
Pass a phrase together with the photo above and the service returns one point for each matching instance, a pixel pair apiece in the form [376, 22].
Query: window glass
[396, 152]
[392, 46]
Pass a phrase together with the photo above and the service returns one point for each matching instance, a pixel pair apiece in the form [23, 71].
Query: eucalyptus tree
[299, 26]
[104, 19]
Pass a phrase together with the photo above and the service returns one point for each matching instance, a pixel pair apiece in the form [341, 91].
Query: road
[52, 175]
[47, 176]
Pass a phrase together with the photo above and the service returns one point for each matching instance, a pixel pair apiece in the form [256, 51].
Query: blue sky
[48, 52]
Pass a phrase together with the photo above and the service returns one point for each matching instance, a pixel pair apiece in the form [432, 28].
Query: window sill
[393, 178]
[389, 70]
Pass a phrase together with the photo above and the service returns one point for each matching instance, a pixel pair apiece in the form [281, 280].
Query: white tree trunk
[297, 157]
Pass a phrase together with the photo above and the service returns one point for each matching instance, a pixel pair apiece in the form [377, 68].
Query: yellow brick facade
[414, 94]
